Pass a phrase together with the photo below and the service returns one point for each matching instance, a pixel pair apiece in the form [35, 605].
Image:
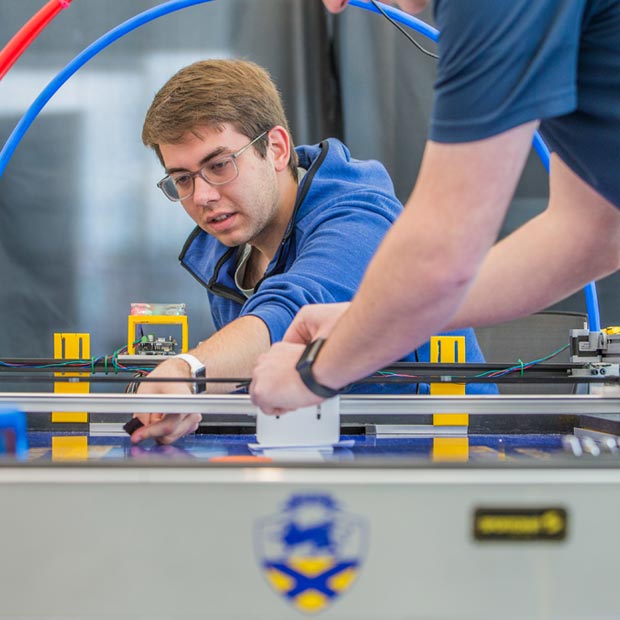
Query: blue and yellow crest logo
[312, 551]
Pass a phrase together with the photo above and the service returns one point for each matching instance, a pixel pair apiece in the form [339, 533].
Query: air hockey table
[404, 522]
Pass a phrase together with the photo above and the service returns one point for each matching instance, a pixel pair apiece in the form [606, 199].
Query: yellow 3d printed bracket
[448, 350]
[71, 346]
[133, 320]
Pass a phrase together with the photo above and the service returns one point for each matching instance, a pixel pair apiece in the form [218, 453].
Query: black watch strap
[304, 368]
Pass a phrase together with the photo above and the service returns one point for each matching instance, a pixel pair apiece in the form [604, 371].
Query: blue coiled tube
[176, 5]
[78, 62]
[401, 17]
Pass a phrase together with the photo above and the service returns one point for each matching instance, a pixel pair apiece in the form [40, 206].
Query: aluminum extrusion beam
[376, 405]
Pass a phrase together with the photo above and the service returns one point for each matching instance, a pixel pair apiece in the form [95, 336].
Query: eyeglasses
[218, 171]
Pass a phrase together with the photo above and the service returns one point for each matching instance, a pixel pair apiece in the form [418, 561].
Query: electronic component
[151, 345]
[601, 346]
[599, 352]
[155, 314]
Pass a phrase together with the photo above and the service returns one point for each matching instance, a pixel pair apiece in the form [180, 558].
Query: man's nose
[204, 192]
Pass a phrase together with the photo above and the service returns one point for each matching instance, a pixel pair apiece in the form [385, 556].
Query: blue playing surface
[206, 447]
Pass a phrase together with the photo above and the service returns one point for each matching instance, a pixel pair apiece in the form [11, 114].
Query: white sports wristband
[197, 369]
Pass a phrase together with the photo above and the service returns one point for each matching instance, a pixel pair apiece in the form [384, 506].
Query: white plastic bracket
[318, 425]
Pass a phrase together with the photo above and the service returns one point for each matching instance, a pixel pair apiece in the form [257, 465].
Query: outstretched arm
[421, 272]
[230, 352]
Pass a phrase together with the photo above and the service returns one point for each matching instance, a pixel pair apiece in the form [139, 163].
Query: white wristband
[197, 369]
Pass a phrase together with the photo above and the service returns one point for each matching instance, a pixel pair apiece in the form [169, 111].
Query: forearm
[573, 242]
[422, 271]
[232, 351]
[513, 283]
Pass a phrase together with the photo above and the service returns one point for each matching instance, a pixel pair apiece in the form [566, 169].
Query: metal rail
[359, 404]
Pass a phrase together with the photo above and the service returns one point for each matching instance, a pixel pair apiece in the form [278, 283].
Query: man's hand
[314, 321]
[276, 385]
[167, 428]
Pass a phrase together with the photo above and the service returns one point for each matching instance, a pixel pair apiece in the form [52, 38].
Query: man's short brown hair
[212, 93]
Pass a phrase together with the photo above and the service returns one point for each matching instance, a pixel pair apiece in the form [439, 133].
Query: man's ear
[280, 147]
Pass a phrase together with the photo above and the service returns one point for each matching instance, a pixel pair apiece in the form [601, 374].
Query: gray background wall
[83, 229]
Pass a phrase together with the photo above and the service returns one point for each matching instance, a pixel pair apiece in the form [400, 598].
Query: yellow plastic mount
[71, 346]
[70, 448]
[448, 350]
[450, 449]
[133, 320]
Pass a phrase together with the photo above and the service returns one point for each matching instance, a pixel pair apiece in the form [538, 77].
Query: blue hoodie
[343, 209]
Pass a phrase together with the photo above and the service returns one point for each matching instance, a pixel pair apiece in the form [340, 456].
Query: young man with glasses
[277, 227]
[506, 67]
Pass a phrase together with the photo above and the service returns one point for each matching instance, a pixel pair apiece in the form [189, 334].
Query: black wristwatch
[304, 368]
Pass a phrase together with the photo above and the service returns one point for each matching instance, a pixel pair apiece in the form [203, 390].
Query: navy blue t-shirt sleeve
[503, 63]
